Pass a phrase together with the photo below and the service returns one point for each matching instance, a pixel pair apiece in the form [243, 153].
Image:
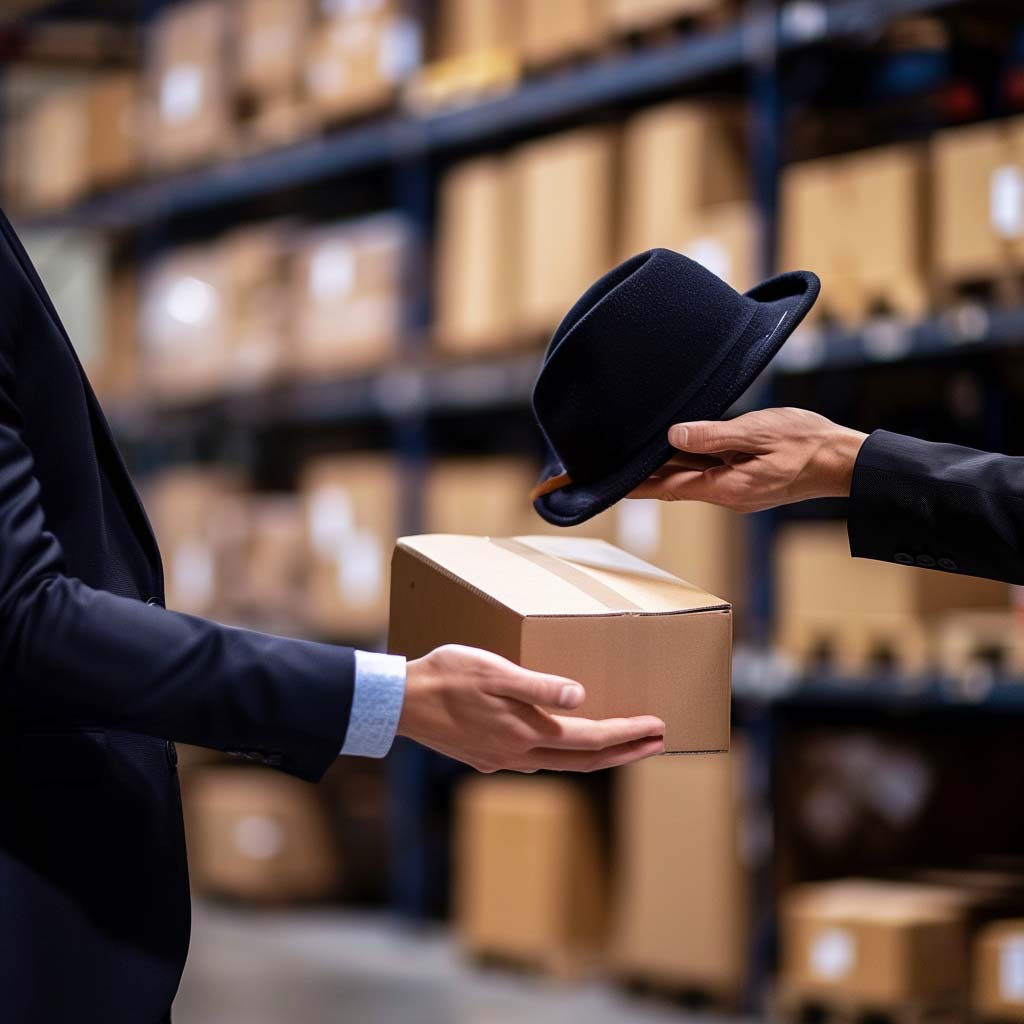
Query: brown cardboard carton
[189, 89]
[347, 295]
[355, 63]
[998, 971]
[259, 835]
[476, 263]
[565, 200]
[553, 32]
[855, 609]
[679, 159]
[682, 888]
[195, 518]
[874, 943]
[690, 539]
[114, 129]
[54, 145]
[530, 881]
[118, 376]
[352, 516]
[888, 236]
[640, 640]
[270, 42]
[466, 27]
[727, 240]
[638, 15]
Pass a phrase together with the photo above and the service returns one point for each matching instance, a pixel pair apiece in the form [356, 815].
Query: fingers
[709, 436]
[585, 734]
[711, 485]
[591, 761]
[538, 688]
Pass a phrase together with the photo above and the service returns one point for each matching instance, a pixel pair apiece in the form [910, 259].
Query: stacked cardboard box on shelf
[978, 201]
[640, 15]
[530, 882]
[467, 27]
[259, 835]
[682, 883]
[997, 987]
[859, 613]
[348, 282]
[554, 32]
[51, 168]
[114, 129]
[359, 55]
[189, 89]
[352, 505]
[860, 222]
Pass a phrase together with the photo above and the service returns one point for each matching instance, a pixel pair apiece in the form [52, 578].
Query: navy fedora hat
[658, 340]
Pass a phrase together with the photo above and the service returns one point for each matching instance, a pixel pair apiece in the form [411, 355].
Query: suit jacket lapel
[101, 429]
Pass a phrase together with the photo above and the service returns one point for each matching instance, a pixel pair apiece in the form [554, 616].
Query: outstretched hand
[488, 712]
[757, 461]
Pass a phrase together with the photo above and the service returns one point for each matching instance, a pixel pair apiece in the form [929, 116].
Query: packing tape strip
[600, 592]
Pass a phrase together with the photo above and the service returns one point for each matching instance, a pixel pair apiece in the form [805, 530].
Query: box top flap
[560, 575]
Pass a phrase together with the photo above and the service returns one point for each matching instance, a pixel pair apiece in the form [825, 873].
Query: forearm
[938, 506]
[83, 655]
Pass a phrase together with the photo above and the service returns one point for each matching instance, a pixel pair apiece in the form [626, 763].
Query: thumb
[538, 688]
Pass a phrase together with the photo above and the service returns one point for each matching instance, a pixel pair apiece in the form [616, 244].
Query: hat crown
[600, 391]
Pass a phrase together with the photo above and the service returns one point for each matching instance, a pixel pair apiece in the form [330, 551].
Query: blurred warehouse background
[310, 253]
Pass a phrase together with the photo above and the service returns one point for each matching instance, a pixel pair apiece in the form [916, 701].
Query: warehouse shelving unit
[748, 57]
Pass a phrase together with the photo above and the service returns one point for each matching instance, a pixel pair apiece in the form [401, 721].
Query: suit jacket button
[926, 561]
[172, 753]
[903, 558]
[948, 564]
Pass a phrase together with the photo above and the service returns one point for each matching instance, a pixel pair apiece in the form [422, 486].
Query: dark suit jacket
[938, 506]
[96, 682]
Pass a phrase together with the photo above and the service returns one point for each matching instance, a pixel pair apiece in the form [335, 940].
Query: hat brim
[783, 302]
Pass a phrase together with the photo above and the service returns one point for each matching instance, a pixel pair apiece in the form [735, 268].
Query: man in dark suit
[97, 681]
[936, 506]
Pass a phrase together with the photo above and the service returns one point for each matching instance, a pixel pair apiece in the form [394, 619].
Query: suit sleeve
[73, 653]
[938, 506]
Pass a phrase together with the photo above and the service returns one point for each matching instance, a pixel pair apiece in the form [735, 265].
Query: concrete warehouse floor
[330, 967]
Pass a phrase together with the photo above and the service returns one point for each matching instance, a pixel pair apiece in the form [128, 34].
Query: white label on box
[191, 301]
[192, 573]
[1006, 201]
[638, 525]
[181, 93]
[333, 272]
[833, 954]
[258, 837]
[710, 253]
[361, 568]
[400, 50]
[1011, 970]
[331, 519]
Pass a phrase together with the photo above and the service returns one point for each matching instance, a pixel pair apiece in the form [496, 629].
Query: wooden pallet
[804, 1009]
[974, 647]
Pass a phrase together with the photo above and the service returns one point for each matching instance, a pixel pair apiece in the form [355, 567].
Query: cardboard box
[978, 177]
[271, 37]
[347, 295]
[679, 160]
[682, 884]
[260, 836]
[565, 185]
[117, 374]
[54, 145]
[115, 129]
[529, 873]
[998, 971]
[356, 63]
[466, 27]
[352, 507]
[695, 541]
[856, 610]
[639, 15]
[475, 283]
[877, 944]
[194, 512]
[640, 640]
[727, 240]
[555, 32]
[189, 85]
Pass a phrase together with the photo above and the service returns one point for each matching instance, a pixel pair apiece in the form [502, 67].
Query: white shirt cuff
[377, 700]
